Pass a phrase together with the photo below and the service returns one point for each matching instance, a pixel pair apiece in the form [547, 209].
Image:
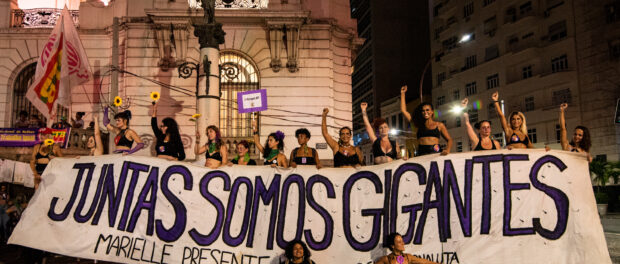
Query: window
[529, 103]
[490, 25]
[470, 88]
[531, 133]
[393, 121]
[527, 72]
[459, 146]
[559, 63]
[400, 121]
[449, 43]
[561, 96]
[237, 74]
[557, 31]
[613, 12]
[511, 15]
[440, 78]
[527, 35]
[473, 115]
[457, 120]
[558, 133]
[470, 62]
[441, 100]
[456, 95]
[492, 81]
[526, 8]
[487, 2]
[491, 52]
[468, 9]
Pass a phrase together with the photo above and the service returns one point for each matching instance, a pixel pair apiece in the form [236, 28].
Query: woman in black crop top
[272, 151]
[124, 135]
[345, 154]
[215, 150]
[243, 157]
[581, 137]
[481, 140]
[516, 132]
[169, 145]
[429, 130]
[42, 154]
[383, 149]
[304, 155]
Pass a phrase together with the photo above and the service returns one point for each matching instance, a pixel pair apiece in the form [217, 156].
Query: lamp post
[210, 36]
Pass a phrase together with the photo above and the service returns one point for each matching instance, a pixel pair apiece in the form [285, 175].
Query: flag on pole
[62, 65]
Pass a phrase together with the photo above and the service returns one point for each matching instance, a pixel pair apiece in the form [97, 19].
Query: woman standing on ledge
[383, 149]
[124, 135]
[42, 154]
[304, 155]
[169, 145]
[215, 150]
[581, 137]
[345, 154]
[516, 132]
[243, 157]
[481, 140]
[273, 147]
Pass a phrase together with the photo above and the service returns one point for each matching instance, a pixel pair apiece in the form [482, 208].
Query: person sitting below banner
[429, 130]
[94, 143]
[398, 256]
[580, 142]
[345, 154]
[481, 140]
[304, 155]
[273, 148]
[297, 252]
[124, 135]
[78, 122]
[22, 122]
[42, 154]
[516, 132]
[243, 156]
[215, 150]
[169, 145]
[384, 150]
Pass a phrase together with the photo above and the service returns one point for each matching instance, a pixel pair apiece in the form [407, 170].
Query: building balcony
[545, 78]
[39, 17]
[447, 9]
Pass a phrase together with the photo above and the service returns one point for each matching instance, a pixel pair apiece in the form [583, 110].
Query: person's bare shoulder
[382, 260]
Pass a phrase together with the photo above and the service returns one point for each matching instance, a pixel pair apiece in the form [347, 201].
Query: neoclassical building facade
[300, 51]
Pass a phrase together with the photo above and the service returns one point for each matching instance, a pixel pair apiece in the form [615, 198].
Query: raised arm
[154, 126]
[333, 144]
[403, 103]
[473, 138]
[106, 122]
[98, 141]
[256, 137]
[369, 129]
[563, 137]
[500, 114]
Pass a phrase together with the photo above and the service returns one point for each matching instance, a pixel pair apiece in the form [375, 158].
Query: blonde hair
[523, 127]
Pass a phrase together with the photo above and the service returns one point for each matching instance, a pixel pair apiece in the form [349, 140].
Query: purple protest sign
[252, 101]
[19, 137]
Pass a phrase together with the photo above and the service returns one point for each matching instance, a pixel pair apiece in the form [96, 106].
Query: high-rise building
[535, 56]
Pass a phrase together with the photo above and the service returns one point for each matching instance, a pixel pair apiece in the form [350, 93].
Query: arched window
[238, 74]
[20, 103]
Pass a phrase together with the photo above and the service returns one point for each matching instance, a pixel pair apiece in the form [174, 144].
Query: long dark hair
[218, 136]
[288, 252]
[418, 118]
[124, 115]
[390, 240]
[278, 136]
[585, 142]
[173, 131]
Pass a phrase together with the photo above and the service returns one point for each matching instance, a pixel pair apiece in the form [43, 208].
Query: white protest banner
[505, 206]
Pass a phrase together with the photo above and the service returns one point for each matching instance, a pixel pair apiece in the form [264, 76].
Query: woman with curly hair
[243, 157]
[345, 154]
[215, 150]
[580, 142]
[398, 256]
[516, 132]
[124, 135]
[304, 155]
[429, 130]
[297, 252]
[169, 145]
[272, 149]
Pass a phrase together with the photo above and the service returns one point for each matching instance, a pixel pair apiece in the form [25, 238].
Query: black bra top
[479, 145]
[378, 152]
[41, 156]
[215, 155]
[304, 160]
[514, 139]
[121, 140]
[342, 160]
[423, 132]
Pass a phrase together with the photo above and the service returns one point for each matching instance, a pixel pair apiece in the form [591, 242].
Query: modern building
[299, 51]
[394, 53]
[537, 55]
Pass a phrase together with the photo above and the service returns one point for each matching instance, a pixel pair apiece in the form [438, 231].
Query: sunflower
[48, 142]
[154, 96]
[195, 117]
[118, 101]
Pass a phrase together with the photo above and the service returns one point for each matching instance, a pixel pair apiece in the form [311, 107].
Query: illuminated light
[465, 38]
[457, 109]
[393, 132]
[105, 2]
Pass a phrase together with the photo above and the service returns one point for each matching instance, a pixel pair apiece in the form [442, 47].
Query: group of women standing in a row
[169, 146]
